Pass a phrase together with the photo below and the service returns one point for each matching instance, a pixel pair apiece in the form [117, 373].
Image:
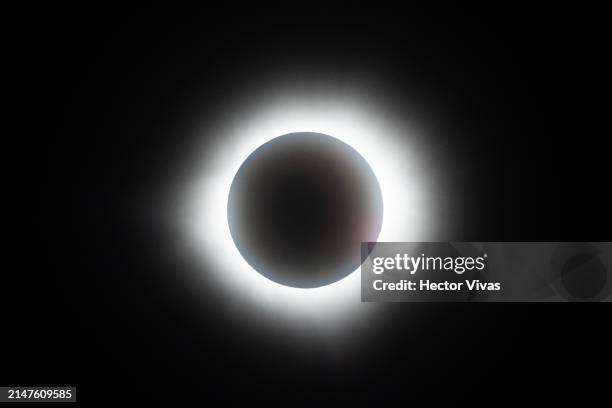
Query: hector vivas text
[422, 263]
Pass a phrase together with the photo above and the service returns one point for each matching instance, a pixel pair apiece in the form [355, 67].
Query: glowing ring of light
[388, 144]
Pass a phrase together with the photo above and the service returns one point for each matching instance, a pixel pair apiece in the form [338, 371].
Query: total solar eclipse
[299, 207]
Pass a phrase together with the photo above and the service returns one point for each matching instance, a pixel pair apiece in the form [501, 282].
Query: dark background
[98, 95]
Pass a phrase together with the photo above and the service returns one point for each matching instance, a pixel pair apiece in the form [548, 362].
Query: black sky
[102, 94]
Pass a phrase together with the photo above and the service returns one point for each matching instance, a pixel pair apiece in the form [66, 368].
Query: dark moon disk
[299, 207]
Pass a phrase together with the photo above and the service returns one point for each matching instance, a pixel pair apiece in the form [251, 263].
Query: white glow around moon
[388, 144]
